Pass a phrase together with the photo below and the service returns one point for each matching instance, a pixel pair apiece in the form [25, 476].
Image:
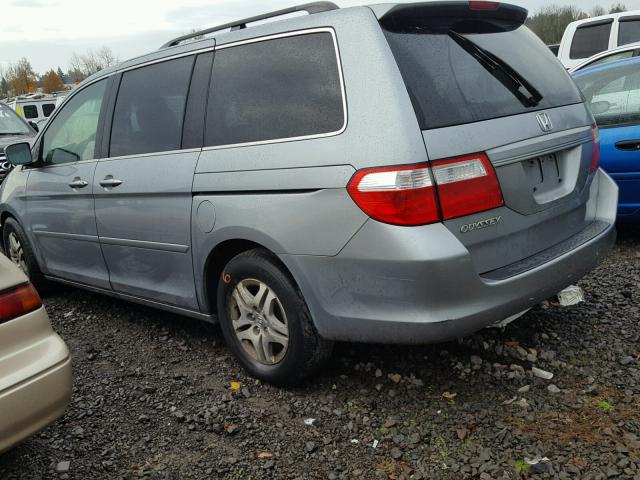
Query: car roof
[606, 66]
[607, 16]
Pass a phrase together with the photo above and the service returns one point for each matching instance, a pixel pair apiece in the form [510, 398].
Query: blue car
[613, 93]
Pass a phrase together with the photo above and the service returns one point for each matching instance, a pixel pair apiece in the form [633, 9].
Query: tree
[21, 77]
[598, 11]
[92, 61]
[4, 87]
[617, 8]
[549, 23]
[51, 82]
[61, 74]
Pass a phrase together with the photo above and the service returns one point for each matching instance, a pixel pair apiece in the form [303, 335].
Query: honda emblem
[545, 122]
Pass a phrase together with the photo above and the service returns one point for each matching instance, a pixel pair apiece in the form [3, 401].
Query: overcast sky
[47, 32]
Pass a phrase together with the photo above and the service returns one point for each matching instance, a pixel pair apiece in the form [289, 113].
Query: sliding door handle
[110, 182]
[628, 145]
[78, 183]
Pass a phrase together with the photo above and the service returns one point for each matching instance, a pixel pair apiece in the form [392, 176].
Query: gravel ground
[154, 397]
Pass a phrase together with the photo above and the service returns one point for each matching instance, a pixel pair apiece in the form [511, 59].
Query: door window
[590, 39]
[30, 111]
[613, 95]
[275, 89]
[71, 136]
[149, 111]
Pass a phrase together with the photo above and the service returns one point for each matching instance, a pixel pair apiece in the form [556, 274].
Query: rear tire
[18, 249]
[266, 322]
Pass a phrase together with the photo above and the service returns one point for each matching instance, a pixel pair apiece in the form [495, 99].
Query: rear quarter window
[590, 39]
[268, 90]
[629, 30]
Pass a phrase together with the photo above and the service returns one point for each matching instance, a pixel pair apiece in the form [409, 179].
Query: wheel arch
[220, 256]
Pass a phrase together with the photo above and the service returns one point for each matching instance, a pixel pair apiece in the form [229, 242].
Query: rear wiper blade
[501, 70]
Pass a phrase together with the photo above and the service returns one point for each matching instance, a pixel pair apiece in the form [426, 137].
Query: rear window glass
[590, 39]
[275, 89]
[30, 111]
[48, 108]
[629, 31]
[450, 72]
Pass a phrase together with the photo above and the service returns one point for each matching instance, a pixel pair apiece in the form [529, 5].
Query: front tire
[266, 322]
[18, 249]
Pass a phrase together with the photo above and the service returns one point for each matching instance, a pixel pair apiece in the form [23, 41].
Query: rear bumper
[419, 285]
[35, 380]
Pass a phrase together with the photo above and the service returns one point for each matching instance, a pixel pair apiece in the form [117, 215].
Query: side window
[613, 95]
[275, 89]
[48, 108]
[629, 30]
[30, 111]
[590, 39]
[149, 110]
[71, 136]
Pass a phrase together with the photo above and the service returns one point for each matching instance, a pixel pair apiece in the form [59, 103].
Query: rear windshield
[467, 71]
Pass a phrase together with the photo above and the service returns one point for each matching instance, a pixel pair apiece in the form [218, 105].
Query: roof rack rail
[310, 8]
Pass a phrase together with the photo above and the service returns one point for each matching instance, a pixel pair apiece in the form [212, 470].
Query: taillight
[18, 301]
[402, 195]
[595, 153]
[473, 5]
[466, 185]
[418, 195]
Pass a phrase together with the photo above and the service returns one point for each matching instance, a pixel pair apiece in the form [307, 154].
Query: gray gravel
[153, 397]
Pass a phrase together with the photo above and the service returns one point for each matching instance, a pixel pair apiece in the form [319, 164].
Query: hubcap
[259, 321]
[16, 252]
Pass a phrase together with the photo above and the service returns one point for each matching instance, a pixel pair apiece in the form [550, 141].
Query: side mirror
[18, 154]
[35, 126]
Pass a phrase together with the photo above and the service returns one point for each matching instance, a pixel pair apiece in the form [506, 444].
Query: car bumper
[35, 377]
[419, 285]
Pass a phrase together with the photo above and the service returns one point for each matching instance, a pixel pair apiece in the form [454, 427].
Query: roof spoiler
[416, 13]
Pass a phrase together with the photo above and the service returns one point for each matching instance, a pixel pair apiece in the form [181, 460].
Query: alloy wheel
[16, 252]
[259, 321]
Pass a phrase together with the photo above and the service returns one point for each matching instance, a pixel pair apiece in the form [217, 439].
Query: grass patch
[522, 466]
[605, 406]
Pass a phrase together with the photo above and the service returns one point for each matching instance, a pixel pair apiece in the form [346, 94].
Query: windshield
[11, 124]
[461, 71]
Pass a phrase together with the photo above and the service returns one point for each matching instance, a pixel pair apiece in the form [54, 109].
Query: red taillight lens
[466, 185]
[18, 301]
[402, 195]
[417, 195]
[484, 5]
[595, 154]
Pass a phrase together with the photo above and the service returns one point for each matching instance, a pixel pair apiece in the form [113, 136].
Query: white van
[36, 108]
[584, 38]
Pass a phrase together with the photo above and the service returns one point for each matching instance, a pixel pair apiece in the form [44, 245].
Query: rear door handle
[78, 183]
[628, 145]
[110, 182]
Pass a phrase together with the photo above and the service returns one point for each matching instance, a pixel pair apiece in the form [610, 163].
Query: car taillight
[418, 195]
[18, 301]
[402, 195]
[595, 153]
[479, 5]
[466, 185]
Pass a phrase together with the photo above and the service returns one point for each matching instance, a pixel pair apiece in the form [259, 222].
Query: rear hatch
[481, 82]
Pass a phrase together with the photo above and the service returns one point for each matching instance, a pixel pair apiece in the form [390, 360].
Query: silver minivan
[400, 173]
